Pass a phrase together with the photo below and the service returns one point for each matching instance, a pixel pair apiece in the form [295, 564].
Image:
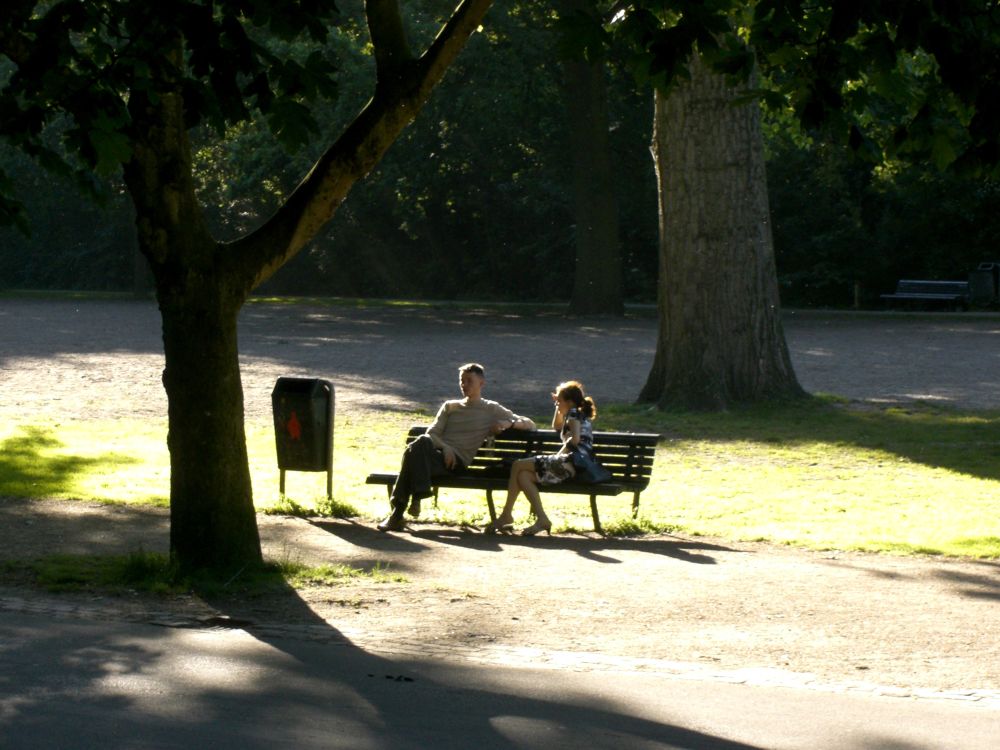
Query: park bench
[914, 290]
[627, 455]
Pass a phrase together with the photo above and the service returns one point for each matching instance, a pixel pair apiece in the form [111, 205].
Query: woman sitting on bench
[573, 419]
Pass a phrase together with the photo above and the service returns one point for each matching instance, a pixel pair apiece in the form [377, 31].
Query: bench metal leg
[635, 505]
[594, 514]
[489, 502]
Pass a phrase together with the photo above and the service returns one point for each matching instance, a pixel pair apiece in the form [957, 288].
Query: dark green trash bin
[303, 427]
[984, 284]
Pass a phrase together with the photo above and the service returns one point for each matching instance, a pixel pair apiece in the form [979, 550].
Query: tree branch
[388, 36]
[464, 22]
[256, 257]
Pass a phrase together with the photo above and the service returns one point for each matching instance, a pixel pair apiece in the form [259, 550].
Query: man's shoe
[392, 523]
[414, 507]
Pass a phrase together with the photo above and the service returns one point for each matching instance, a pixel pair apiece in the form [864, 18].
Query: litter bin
[984, 283]
[303, 427]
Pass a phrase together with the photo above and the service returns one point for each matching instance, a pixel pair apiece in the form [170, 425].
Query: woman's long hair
[572, 391]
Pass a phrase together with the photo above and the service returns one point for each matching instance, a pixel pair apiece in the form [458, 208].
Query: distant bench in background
[945, 292]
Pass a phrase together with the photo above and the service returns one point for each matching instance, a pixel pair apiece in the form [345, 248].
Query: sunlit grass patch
[362, 445]
[819, 473]
[327, 507]
[830, 475]
[300, 575]
[90, 460]
[127, 461]
[628, 526]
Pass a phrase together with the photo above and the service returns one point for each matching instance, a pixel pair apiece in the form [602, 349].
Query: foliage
[331, 508]
[838, 222]
[465, 211]
[102, 50]
[69, 242]
[916, 81]
[471, 195]
[420, 226]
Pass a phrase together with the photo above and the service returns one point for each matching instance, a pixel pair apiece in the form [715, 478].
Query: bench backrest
[916, 286]
[627, 455]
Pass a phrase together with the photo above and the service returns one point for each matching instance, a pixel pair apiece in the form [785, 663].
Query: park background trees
[487, 172]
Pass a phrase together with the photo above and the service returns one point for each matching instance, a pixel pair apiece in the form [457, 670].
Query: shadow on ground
[598, 549]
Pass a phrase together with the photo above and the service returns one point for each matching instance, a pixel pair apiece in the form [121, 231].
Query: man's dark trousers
[422, 461]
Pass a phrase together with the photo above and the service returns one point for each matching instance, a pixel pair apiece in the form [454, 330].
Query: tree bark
[720, 339]
[212, 517]
[597, 282]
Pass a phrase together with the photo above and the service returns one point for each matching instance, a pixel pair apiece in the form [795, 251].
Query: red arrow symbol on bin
[293, 427]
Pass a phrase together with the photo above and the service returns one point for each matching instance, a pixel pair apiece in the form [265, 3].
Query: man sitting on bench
[458, 430]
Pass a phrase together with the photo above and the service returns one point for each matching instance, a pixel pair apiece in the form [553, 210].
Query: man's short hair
[473, 367]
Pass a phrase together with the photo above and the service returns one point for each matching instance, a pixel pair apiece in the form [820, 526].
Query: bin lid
[300, 386]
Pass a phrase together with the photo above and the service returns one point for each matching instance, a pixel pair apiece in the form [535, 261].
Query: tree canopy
[76, 64]
[914, 80]
[499, 186]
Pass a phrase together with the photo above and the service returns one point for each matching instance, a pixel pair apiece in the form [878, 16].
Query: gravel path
[104, 359]
[711, 609]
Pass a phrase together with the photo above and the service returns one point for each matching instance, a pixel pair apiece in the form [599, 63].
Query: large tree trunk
[720, 340]
[597, 285]
[212, 518]
[201, 284]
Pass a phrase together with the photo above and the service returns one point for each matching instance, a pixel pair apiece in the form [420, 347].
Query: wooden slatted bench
[915, 290]
[627, 455]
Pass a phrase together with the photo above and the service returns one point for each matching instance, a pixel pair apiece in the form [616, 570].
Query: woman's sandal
[494, 527]
[538, 526]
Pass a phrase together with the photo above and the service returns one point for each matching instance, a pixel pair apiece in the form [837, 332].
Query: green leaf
[942, 149]
[291, 122]
[111, 148]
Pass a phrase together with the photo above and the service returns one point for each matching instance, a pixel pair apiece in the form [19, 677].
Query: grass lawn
[819, 473]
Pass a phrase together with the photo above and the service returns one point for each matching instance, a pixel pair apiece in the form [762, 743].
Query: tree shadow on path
[415, 701]
[601, 549]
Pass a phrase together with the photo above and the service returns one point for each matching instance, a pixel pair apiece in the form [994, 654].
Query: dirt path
[104, 359]
[842, 619]
[846, 618]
